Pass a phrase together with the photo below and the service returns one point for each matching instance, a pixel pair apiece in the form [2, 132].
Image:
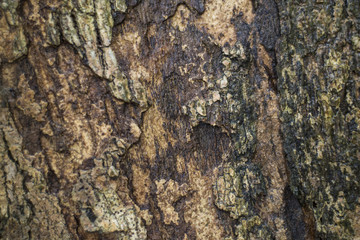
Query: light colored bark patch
[181, 18]
[180, 164]
[200, 210]
[154, 135]
[141, 183]
[168, 192]
[218, 15]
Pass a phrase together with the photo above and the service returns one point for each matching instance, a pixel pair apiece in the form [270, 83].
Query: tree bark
[179, 119]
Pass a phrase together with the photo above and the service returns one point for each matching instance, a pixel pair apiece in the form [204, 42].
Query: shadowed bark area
[179, 119]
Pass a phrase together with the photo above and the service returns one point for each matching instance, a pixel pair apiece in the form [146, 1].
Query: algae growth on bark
[179, 119]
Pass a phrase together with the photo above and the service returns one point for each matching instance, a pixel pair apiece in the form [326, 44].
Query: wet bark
[181, 119]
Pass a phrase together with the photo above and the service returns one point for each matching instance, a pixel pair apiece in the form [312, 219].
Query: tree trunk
[180, 119]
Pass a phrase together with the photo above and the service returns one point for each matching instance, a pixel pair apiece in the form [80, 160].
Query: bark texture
[179, 119]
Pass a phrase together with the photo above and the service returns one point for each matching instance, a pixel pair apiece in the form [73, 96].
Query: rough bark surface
[179, 119]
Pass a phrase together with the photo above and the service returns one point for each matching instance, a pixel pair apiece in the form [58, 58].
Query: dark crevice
[294, 216]
[53, 182]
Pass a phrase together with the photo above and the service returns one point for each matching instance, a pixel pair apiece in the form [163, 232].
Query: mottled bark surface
[179, 119]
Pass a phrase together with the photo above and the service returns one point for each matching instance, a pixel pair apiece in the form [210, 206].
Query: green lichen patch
[119, 5]
[236, 190]
[87, 25]
[119, 88]
[10, 6]
[102, 208]
[320, 110]
[52, 29]
[13, 43]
